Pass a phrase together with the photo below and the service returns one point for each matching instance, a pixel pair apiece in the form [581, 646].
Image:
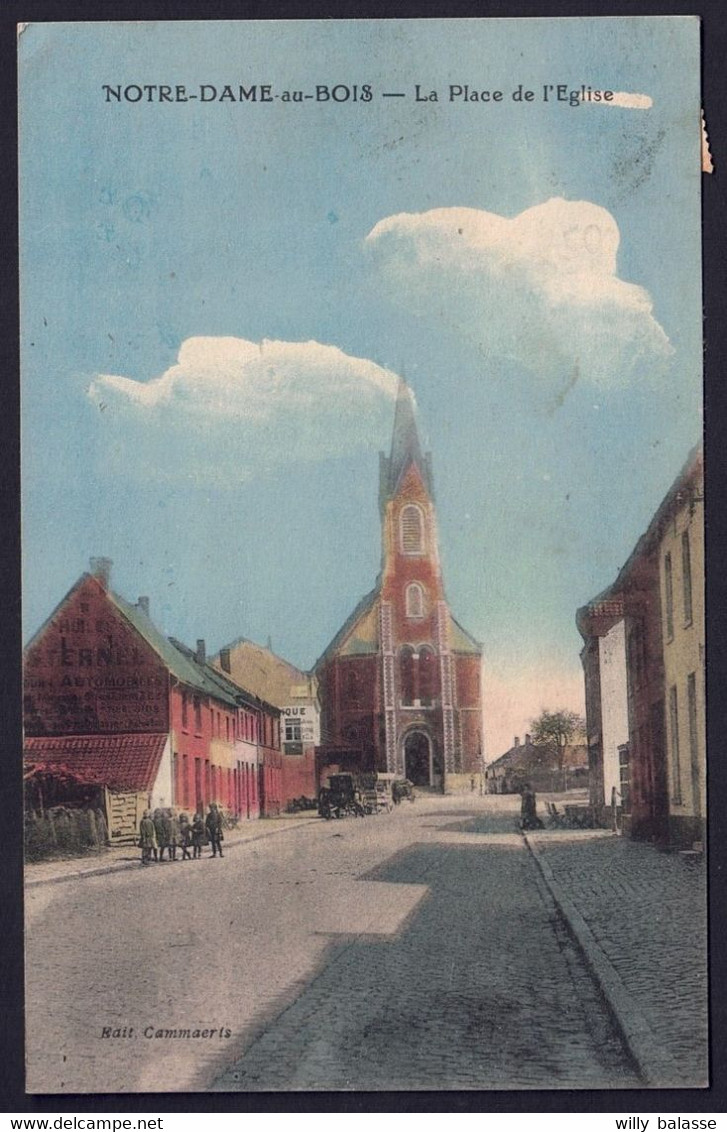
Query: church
[400, 683]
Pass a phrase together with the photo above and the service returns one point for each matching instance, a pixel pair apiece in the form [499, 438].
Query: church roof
[460, 640]
[405, 446]
[359, 634]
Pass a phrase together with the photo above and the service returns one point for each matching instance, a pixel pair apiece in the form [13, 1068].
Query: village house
[537, 764]
[643, 662]
[111, 703]
[295, 694]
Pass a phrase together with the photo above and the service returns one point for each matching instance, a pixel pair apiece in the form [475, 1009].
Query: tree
[554, 731]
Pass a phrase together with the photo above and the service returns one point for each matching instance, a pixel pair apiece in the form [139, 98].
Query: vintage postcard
[363, 555]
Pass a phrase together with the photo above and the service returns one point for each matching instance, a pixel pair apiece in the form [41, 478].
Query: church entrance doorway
[421, 765]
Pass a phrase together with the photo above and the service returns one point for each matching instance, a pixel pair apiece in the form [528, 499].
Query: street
[418, 949]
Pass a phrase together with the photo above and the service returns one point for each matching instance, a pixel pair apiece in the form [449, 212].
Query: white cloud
[236, 407]
[541, 288]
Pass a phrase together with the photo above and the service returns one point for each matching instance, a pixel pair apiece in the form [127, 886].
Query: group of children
[163, 830]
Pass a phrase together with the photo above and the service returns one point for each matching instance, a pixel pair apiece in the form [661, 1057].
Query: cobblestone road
[648, 912]
[419, 949]
[483, 989]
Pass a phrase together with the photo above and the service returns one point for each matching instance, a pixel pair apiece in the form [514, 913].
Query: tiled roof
[528, 755]
[180, 663]
[460, 640]
[176, 657]
[226, 684]
[121, 762]
[338, 643]
[359, 635]
[682, 492]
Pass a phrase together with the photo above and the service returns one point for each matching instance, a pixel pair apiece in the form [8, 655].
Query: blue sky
[217, 298]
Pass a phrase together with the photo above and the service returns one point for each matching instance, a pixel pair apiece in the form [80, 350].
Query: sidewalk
[640, 918]
[129, 857]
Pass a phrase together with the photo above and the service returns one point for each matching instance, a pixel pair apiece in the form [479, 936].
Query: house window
[674, 734]
[197, 714]
[624, 777]
[669, 597]
[185, 711]
[292, 729]
[632, 653]
[412, 529]
[406, 671]
[414, 600]
[198, 785]
[687, 578]
[693, 741]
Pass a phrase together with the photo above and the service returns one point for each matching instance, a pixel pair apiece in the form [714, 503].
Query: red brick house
[110, 700]
[400, 682]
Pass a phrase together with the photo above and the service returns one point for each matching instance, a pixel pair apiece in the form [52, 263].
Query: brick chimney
[201, 654]
[101, 570]
[527, 740]
[225, 660]
[142, 603]
[517, 741]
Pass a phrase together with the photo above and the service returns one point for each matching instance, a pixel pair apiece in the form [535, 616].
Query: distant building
[537, 764]
[400, 681]
[643, 661]
[295, 694]
[111, 702]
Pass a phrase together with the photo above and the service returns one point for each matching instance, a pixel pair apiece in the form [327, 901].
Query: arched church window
[406, 672]
[353, 690]
[412, 529]
[428, 676]
[414, 600]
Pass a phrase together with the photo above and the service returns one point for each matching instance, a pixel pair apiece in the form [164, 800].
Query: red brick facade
[99, 667]
[89, 671]
[400, 683]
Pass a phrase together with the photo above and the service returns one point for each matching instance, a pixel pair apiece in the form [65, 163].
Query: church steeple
[405, 448]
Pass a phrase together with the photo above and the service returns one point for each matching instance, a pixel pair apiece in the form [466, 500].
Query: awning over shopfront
[122, 762]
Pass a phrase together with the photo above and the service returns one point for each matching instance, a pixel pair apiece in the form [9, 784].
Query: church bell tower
[400, 681]
[417, 676]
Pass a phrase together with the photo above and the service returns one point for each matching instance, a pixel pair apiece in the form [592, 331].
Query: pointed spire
[405, 441]
[405, 447]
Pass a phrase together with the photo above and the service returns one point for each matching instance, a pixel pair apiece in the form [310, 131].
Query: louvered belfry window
[412, 530]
